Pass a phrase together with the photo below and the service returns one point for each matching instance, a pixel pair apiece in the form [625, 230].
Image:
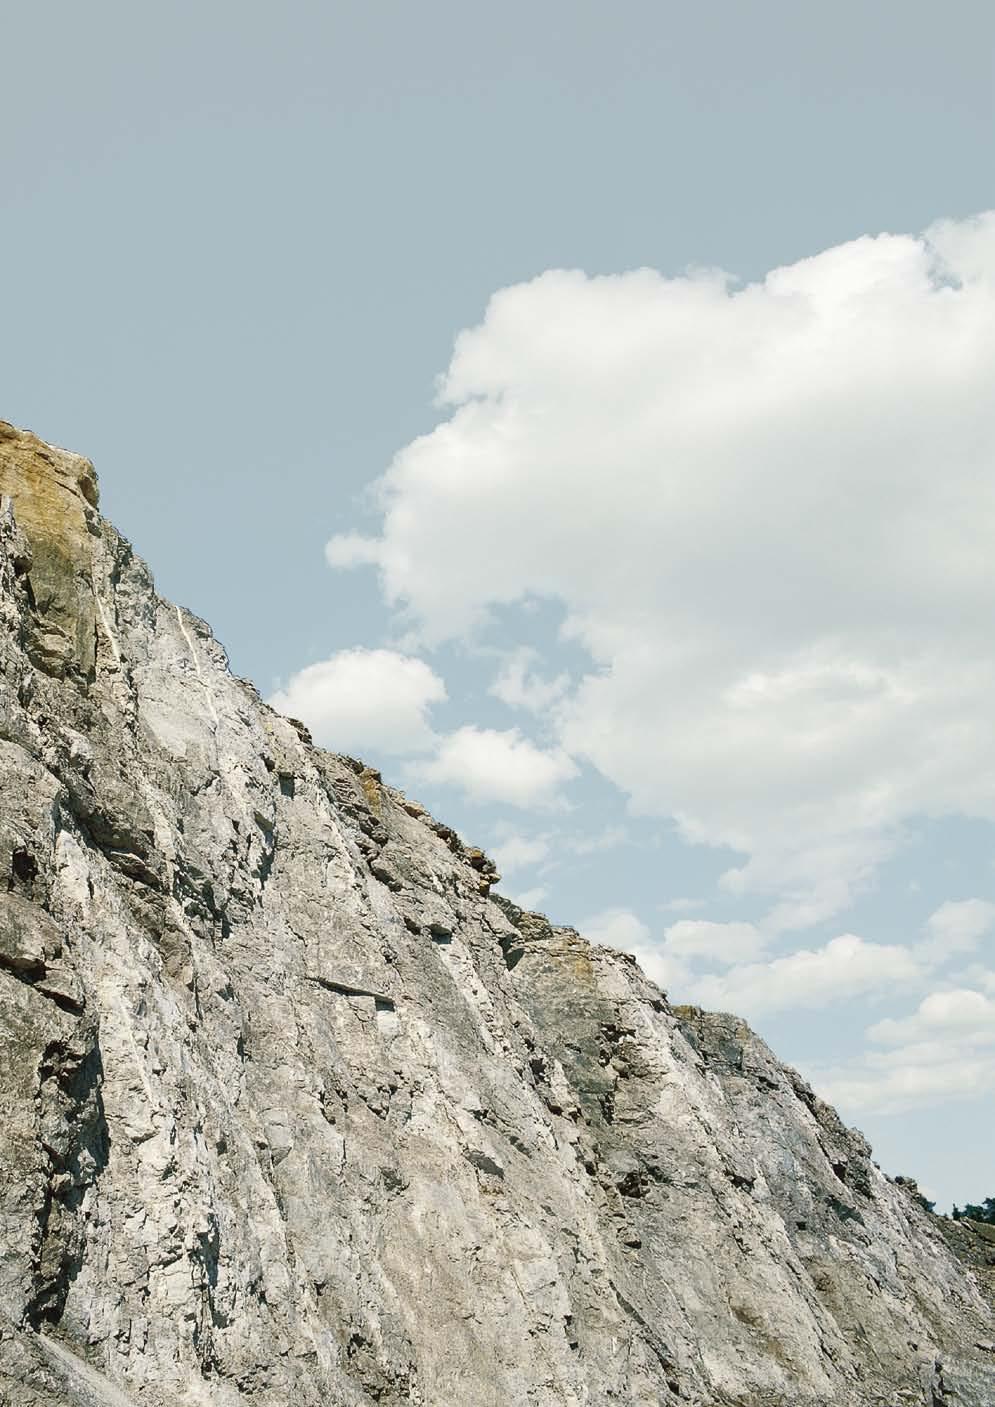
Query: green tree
[974, 1211]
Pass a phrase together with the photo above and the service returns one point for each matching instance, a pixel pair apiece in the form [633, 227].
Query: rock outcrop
[296, 1111]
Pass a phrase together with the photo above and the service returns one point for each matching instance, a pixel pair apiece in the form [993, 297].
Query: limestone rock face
[295, 1111]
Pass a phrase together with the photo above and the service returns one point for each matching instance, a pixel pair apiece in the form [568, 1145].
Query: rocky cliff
[296, 1111]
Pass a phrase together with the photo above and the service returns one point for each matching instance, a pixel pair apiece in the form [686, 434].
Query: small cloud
[683, 906]
[904, 1079]
[518, 686]
[609, 839]
[957, 927]
[365, 701]
[956, 1015]
[844, 967]
[353, 550]
[724, 943]
[491, 765]
[531, 898]
[616, 928]
[514, 852]
[520, 852]
[944, 1050]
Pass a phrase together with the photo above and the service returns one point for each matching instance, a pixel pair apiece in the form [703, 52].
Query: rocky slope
[298, 1112]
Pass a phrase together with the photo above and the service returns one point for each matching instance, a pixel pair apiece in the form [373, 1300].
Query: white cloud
[519, 686]
[844, 967]
[725, 943]
[549, 849]
[903, 1080]
[955, 1015]
[351, 550]
[490, 765]
[520, 852]
[531, 898]
[767, 512]
[608, 839]
[365, 700]
[683, 905]
[616, 928]
[944, 1050]
[957, 927]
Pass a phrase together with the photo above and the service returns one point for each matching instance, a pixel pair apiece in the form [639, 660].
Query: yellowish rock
[54, 493]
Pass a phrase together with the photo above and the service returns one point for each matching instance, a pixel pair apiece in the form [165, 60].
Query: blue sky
[677, 592]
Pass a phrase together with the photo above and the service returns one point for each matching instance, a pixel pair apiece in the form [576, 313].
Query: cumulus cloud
[903, 1080]
[847, 966]
[723, 943]
[365, 701]
[492, 765]
[519, 685]
[617, 928]
[767, 513]
[958, 927]
[519, 852]
[608, 839]
[531, 898]
[958, 1014]
[944, 1050]
[550, 850]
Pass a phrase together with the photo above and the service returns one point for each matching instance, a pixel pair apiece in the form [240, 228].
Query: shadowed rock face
[296, 1111]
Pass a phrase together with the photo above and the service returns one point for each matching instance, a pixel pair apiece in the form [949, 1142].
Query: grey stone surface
[296, 1111]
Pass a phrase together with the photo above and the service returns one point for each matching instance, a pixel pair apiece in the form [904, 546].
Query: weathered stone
[294, 1112]
[54, 495]
[29, 939]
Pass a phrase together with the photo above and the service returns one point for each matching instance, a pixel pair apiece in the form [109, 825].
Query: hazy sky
[678, 593]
